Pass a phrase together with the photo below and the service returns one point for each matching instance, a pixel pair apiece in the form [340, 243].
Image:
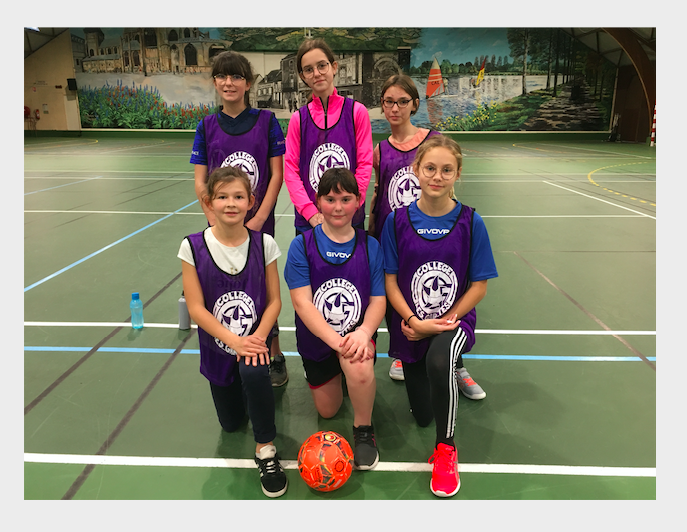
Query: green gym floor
[566, 336]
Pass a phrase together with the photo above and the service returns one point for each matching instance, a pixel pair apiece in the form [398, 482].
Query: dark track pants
[431, 383]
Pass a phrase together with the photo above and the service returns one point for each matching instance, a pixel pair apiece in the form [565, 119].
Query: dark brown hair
[313, 44]
[229, 63]
[339, 180]
[406, 83]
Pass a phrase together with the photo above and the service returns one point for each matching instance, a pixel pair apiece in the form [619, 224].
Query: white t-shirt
[230, 259]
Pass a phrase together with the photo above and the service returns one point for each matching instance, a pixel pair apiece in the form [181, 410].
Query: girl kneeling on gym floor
[336, 277]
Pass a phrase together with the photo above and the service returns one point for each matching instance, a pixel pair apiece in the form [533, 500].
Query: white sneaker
[468, 386]
[396, 370]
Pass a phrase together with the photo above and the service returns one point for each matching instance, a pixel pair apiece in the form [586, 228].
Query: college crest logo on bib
[404, 188]
[326, 156]
[338, 300]
[236, 311]
[246, 162]
[434, 287]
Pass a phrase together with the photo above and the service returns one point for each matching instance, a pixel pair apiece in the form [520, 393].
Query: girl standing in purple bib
[231, 285]
[396, 185]
[330, 131]
[335, 275]
[437, 260]
[251, 139]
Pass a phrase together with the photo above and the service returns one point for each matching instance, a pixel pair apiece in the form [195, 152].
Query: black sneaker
[272, 476]
[278, 374]
[365, 455]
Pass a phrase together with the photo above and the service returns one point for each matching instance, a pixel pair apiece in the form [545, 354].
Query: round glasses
[429, 171]
[322, 68]
[402, 104]
[235, 78]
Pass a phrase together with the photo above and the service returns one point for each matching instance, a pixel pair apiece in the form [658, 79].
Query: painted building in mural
[360, 76]
[151, 51]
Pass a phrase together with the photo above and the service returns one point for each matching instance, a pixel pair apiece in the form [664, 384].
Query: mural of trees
[339, 39]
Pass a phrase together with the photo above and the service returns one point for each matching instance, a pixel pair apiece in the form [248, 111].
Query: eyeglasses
[235, 78]
[322, 68]
[402, 104]
[448, 172]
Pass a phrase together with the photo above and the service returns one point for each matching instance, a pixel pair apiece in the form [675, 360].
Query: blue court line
[553, 358]
[104, 249]
[65, 185]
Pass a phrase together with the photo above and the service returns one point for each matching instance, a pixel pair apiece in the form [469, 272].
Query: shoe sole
[474, 397]
[442, 493]
[275, 494]
[367, 468]
[281, 383]
[397, 377]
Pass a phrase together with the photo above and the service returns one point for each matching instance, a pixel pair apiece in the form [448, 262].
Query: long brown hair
[313, 44]
[308, 46]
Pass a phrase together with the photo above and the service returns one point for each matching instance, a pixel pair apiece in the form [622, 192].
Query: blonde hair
[439, 141]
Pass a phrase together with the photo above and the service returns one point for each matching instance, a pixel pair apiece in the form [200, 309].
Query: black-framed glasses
[402, 103]
[235, 78]
[322, 68]
[430, 170]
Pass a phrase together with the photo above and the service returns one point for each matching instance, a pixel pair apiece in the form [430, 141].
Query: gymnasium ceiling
[34, 38]
[597, 39]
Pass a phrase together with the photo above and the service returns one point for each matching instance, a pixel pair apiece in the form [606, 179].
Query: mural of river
[461, 98]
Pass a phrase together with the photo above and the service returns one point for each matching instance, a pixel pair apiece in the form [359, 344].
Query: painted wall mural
[469, 79]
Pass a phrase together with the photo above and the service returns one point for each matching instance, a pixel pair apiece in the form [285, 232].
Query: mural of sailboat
[435, 82]
[480, 75]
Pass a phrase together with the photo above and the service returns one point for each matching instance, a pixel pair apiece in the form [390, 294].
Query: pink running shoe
[445, 479]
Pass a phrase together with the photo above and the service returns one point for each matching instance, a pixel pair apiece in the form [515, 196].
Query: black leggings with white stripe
[431, 383]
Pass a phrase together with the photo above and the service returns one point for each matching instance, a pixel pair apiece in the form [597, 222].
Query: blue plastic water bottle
[136, 307]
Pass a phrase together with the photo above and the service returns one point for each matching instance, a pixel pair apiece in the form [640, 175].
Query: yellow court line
[515, 145]
[51, 146]
[589, 177]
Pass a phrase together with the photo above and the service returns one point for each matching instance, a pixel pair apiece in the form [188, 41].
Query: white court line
[132, 172]
[65, 185]
[464, 177]
[152, 178]
[626, 155]
[522, 469]
[292, 215]
[102, 154]
[599, 199]
[381, 329]
[114, 212]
